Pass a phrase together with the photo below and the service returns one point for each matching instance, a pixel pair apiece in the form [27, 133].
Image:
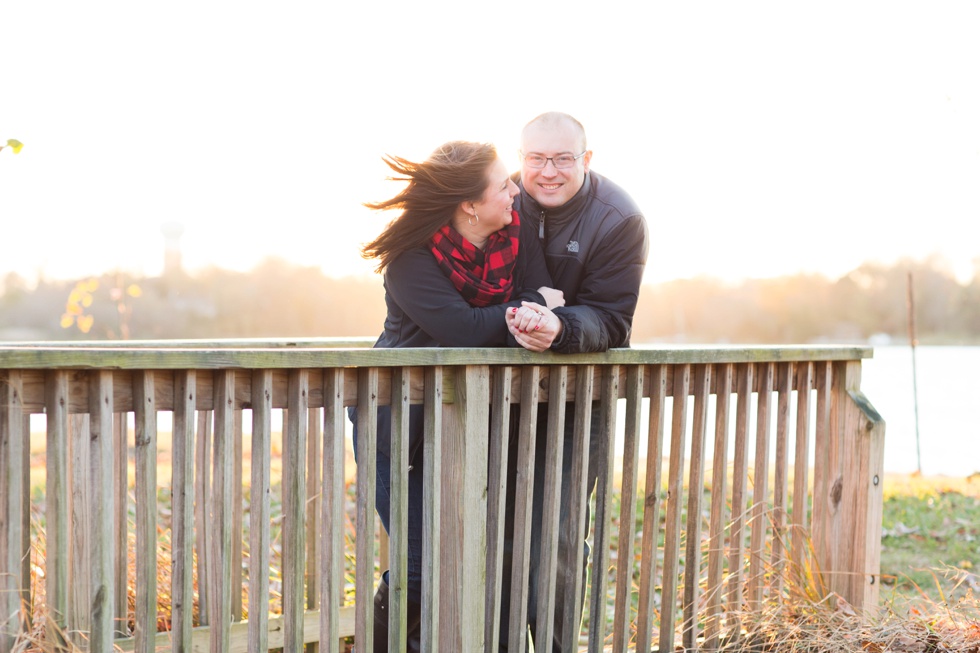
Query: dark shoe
[381, 618]
[381, 614]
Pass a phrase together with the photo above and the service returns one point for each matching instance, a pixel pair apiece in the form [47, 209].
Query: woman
[454, 261]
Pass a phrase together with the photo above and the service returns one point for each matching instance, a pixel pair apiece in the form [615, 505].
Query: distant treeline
[278, 299]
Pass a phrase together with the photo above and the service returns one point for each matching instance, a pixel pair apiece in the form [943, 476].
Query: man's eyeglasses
[561, 161]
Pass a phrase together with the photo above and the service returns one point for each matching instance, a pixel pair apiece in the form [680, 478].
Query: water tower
[172, 231]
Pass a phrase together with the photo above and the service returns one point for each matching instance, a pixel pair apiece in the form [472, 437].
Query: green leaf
[15, 145]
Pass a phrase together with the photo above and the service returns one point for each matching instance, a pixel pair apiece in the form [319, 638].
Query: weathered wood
[221, 499]
[801, 467]
[367, 451]
[102, 597]
[551, 506]
[398, 512]
[780, 499]
[675, 494]
[474, 397]
[56, 505]
[182, 497]
[240, 634]
[260, 497]
[79, 566]
[523, 498]
[863, 437]
[331, 545]
[740, 473]
[497, 499]
[716, 522]
[759, 514]
[603, 506]
[466, 616]
[146, 513]
[691, 596]
[294, 510]
[12, 443]
[431, 509]
[627, 506]
[652, 482]
[137, 358]
[573, 566]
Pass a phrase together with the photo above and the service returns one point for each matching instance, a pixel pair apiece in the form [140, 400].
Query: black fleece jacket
[596, 248]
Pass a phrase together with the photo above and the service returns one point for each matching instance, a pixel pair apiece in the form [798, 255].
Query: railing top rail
[316, 353]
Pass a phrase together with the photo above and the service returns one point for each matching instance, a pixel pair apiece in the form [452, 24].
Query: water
[948, 390]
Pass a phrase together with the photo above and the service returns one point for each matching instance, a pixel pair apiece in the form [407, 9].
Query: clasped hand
[535, 326]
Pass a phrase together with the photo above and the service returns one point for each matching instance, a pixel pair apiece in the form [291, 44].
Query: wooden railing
[759, 462]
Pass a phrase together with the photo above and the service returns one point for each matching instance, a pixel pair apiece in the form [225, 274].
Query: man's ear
[587, 159]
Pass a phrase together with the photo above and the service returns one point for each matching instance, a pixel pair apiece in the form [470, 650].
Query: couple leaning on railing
[550, 259]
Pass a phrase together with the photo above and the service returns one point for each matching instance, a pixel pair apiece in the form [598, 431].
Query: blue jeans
[415, 485]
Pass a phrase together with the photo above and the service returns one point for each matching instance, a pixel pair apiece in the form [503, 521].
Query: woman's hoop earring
[470, 220]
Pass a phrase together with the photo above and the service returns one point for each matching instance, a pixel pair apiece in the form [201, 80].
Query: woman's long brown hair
[456, 172]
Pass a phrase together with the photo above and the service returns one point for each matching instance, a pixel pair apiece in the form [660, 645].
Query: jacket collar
[566, 211]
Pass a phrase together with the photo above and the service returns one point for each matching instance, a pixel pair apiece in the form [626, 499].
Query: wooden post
[146, 511]
[182, 493]
[56, 504]
[466, 432]
[294, 509]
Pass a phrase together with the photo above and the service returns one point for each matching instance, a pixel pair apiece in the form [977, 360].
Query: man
[595, 242]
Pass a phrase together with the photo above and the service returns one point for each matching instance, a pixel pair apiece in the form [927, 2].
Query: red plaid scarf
[482, 277]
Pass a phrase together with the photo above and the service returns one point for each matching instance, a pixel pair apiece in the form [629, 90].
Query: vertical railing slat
[627, 508]
[144, 403]
[551, 506]
[497, 499]
[523, 498]
[398, 516]
[780, 500]
[759, 515]
[221, 510]
[651, 507]
[260, 497]
[473, 396]
[367, 450]
[573, 567]
[716, 521]
[740, 473]
[695, 499]
[294, 509]
[182, 495]
[56, 504]
[332, 516]
[79, 567]
[103, 546]
[675, 493]
[801, 468]
[826, 481]
[12, 443]
[431, 511]
[602, 537]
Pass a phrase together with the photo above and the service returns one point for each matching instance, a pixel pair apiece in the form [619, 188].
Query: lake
[948, 390]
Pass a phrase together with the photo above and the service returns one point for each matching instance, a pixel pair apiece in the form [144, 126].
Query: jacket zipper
[541, 226]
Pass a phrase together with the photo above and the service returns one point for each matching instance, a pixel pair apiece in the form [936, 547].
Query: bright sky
[760, 138]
